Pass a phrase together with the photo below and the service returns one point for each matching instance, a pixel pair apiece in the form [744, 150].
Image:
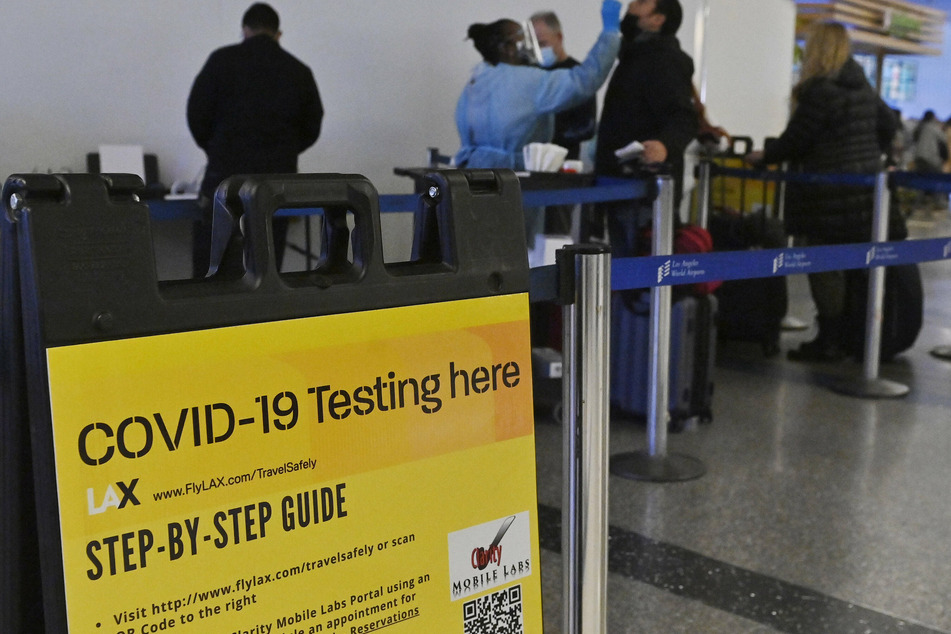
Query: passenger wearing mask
[509, 102]
[650, 100]
[578, 123]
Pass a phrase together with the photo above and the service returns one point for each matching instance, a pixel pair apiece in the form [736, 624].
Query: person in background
[708, 134]
[253, 108]
[572, 126]
[649, 99]
[931, 151]
[578, 123]
[838, 124]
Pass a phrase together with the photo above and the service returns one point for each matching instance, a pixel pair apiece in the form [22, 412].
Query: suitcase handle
[744, 141]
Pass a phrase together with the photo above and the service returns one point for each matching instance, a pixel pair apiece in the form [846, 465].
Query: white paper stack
[122, 159]
[543, 157]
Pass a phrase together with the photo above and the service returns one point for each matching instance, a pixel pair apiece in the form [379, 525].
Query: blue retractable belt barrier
[924, 182]
[643, 272]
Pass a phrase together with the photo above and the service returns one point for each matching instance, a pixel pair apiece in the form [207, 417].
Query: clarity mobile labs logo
[778, 262]
[482, 557]
[111, 499]
[476, 560]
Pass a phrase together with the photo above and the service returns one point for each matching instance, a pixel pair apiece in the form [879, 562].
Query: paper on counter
[630, 151]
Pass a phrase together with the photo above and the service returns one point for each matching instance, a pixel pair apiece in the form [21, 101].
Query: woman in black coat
[839, 124]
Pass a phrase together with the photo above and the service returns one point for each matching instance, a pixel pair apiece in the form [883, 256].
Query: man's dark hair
[261, 17]
[673, 13]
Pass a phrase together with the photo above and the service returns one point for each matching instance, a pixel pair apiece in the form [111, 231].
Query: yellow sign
[346, 473]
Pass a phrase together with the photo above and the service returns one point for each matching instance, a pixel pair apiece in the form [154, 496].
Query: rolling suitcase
[751, 309]
[692, 355]
[902, 310]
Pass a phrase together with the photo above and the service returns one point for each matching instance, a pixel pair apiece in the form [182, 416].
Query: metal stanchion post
[584, 534]
[657, 465]
[703, 186]
[870, 385]
[781, 194]
[789, 322]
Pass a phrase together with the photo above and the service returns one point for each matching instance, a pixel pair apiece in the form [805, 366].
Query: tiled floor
[819, 512]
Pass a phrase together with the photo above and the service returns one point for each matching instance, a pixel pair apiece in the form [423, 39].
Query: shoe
[816, 351]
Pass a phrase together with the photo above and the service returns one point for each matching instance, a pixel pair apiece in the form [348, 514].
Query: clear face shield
[528, 49]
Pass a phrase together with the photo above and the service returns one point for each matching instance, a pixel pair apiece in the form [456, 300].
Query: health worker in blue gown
[510, 101]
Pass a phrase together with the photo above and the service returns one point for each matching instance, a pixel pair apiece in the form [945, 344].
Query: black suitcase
[752, 309]
[902, 310]
[692, 355]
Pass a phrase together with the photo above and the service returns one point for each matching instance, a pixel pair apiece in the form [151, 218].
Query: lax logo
[870, 255]
[663, 271]
[110, 499]
[947, 250]
[778, 262]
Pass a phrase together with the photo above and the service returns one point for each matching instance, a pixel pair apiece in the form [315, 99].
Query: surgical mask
[548, 58]
[629, 26]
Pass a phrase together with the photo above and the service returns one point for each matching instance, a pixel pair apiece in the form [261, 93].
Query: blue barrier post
[870, 385]
[656, 464]
[584, 534]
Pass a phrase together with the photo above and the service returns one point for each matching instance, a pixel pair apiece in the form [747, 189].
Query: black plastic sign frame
[78, 261]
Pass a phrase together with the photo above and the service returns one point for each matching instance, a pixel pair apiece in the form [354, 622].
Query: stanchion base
[669, 468]
[942, 352]
[870, 388]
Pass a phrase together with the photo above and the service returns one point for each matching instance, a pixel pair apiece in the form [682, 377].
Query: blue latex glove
[611, 15]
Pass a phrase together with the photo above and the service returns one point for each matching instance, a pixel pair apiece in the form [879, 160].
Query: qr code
[496, 613]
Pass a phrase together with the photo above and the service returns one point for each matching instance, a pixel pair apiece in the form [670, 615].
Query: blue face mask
[548, 57]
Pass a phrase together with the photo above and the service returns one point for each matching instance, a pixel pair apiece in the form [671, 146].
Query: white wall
[86, 72]
[746, 65]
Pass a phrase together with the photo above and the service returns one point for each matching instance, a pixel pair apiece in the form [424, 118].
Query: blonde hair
[827, 50]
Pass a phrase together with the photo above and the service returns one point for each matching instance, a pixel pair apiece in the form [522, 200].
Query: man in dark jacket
[649, 99]
[253, 108]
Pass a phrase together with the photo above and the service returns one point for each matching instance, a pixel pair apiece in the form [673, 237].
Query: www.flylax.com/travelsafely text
[197, 488]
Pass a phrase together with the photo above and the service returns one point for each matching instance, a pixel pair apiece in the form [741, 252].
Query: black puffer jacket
[841, 126]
